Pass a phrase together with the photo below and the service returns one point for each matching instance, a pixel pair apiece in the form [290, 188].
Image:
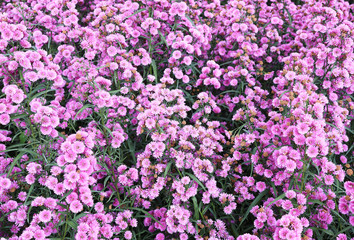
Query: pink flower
[244, 72]
[301, 199]
[84, 164]
[13, 65]
[290, 75]
[18, 97]
[50, 203]
[243, 27]
[275, 20]
[341, 236]
[39, 234]
[45, 216]
[31, 76]
[351, 220]
[4, 119]
[260, 186]
[78, 147]
[128, 234]
[99, 207]
[312, 152]
[349, 187]
[176, 54]
[281, 161]
[51, 74]
[283, 233]
[76, 206]
[262, 216]
[258, 224]
[290, 194]
[70, 156]
[328, 179]
[317, 27]
[343, 208]
[300, 140]
[290, 165]
[59, 189]
[303, 128]
[160, 236]
[30, 179]
[81, 236]
[5, 183]
[337, 52]
[112, 51]
[187, 60]
[66, 53]
[90, 55]
[22, 195]
[73, 177]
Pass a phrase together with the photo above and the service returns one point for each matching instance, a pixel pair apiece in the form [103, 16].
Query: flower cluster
[166, 119]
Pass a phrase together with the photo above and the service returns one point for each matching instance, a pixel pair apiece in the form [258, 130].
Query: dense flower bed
[162, 119]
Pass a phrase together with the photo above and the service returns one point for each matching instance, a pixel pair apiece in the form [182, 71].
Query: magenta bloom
[4, 119]
[5, 183]
[78, 147]
[76, 206]
[303, 128]
[160, 236]
[112, 51]
[128, 235]
[312, 152]
[45, 216]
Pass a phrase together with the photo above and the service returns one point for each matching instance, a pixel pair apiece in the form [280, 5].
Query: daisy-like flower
[303, 128]
[76, 206]
[73, 177]
[312, 152]
[281, 161]
[45, 216]
[112, 51]
[78, 147]
[290, 75]
[337, 52]
[84, 164]
[176, 54]
[290, 165]
[260, 186]
[4, 119]
[70, 156]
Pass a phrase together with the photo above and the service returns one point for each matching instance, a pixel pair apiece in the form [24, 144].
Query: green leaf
[290, 17]
[41, 93]
[346, 229]
[16, 116]
[196, 179]
[14, 162]
[316, 201]
[163, 39]
[196, 209]
[79, 216]
[254, 203]
[154, 68]
[82, 109]
[73, 224]
[190, 20]
[146, 213]
[29, 194]
[67, 194]
[277, 199]
[168, 166]
[136, 12]
[328, 232]
[23, 138]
